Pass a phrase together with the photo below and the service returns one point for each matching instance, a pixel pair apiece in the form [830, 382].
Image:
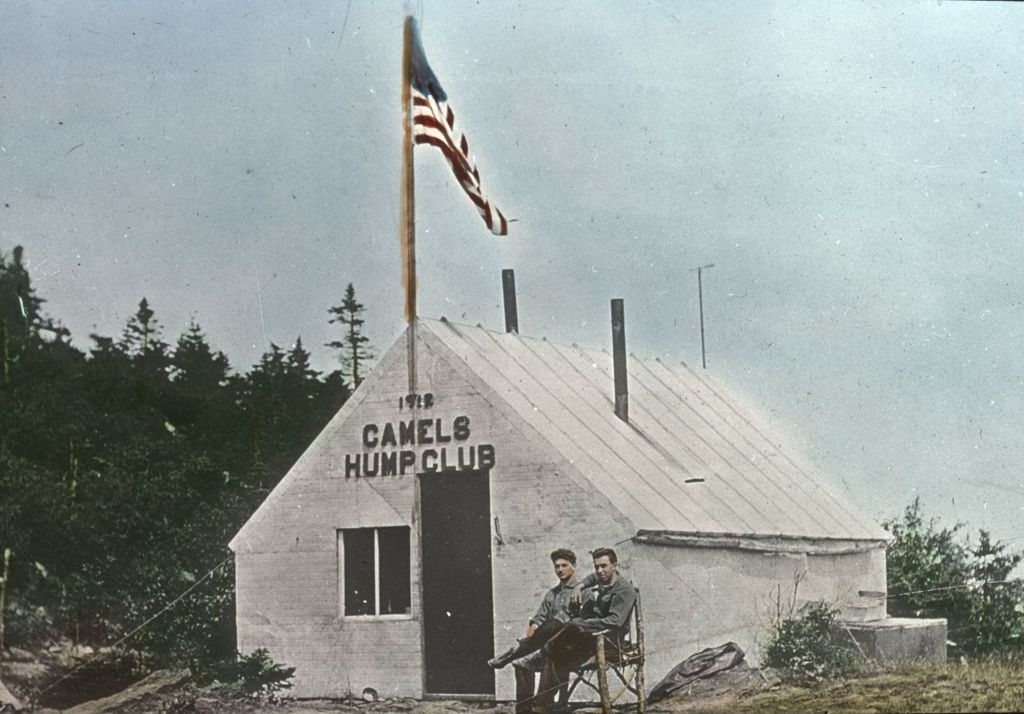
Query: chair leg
[641, 689]
[602, 677]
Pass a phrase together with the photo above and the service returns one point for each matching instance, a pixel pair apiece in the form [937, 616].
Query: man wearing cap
[527, 656]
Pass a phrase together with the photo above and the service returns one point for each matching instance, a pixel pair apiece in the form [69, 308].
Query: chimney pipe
[508, 285]
[619, 359]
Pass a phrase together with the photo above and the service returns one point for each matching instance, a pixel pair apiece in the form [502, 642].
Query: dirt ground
[992, 685]
[168, 692]
[946, 687]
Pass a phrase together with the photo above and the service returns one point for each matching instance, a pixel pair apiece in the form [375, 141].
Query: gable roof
[691, 459]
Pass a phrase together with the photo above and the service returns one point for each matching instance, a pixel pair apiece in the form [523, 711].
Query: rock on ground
[8, 700]
[153, 684]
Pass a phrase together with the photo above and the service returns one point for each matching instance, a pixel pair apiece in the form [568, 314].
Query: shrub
[254, 675]
[803, 646]
[933, 572]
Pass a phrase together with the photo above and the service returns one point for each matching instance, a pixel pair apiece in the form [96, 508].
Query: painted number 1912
[416, 401]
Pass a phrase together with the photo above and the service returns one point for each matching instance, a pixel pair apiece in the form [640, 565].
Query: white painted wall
[696, 597]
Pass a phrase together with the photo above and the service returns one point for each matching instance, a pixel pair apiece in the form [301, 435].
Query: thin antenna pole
[700, 303]
[408, 220]
[700, 300]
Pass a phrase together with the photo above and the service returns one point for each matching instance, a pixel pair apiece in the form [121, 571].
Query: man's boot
[504, 659]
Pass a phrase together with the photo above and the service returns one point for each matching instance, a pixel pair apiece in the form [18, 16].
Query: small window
[375, 571]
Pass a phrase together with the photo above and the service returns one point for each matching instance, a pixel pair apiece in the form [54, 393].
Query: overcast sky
[852, 170]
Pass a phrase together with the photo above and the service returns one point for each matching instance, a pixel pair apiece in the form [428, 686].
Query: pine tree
[264, 403]
[195, 367]
[19, 312]
[302, 377]
[141, 336]
[200, 394]
[287, 405]
[141, 342]
[354, 346]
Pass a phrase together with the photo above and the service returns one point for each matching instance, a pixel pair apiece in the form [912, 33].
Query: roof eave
[759, 542]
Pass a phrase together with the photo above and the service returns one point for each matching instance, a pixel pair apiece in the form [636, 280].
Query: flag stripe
[453, 159]
[497, 222]
[434, 124]
[446, 129]
[434, 132]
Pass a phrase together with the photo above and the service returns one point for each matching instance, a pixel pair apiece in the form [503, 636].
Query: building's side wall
[287, 562]
[855, 583]
[288, 584]
[697, 597]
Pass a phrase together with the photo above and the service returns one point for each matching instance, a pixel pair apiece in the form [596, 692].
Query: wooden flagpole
[408, 221]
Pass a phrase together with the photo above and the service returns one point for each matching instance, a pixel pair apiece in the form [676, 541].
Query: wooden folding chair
[626, 664]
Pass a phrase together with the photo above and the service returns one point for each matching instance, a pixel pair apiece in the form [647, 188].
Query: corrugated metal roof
[692, 459]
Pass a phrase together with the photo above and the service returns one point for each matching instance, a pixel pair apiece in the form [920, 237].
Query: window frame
[376, 577]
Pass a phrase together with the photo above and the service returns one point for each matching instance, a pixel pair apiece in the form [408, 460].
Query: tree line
[126, 468]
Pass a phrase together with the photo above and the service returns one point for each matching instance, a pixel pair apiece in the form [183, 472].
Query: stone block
[898, 639]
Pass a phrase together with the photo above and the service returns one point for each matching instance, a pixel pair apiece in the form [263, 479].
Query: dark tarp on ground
[705, 663]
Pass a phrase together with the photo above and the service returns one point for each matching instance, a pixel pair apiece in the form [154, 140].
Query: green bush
[253, 675]
[936, 572]
[803, 646]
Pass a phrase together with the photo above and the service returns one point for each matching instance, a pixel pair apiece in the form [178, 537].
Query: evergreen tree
[195, 367]
[314, 400]
[354, 346]
[287, 405]
[141, 342]
[266, 406]
[19, 312]
[201, 395]
[301, 377]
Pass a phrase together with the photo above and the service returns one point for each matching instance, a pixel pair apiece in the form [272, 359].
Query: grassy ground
[979, 687]
[990, 686]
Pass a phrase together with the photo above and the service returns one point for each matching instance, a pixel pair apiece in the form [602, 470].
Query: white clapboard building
[410, 541]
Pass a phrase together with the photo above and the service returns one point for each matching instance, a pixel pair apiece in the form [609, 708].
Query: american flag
[434, 124]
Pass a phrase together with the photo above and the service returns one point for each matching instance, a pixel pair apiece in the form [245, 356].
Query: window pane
[359, 596]
[394, 570]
